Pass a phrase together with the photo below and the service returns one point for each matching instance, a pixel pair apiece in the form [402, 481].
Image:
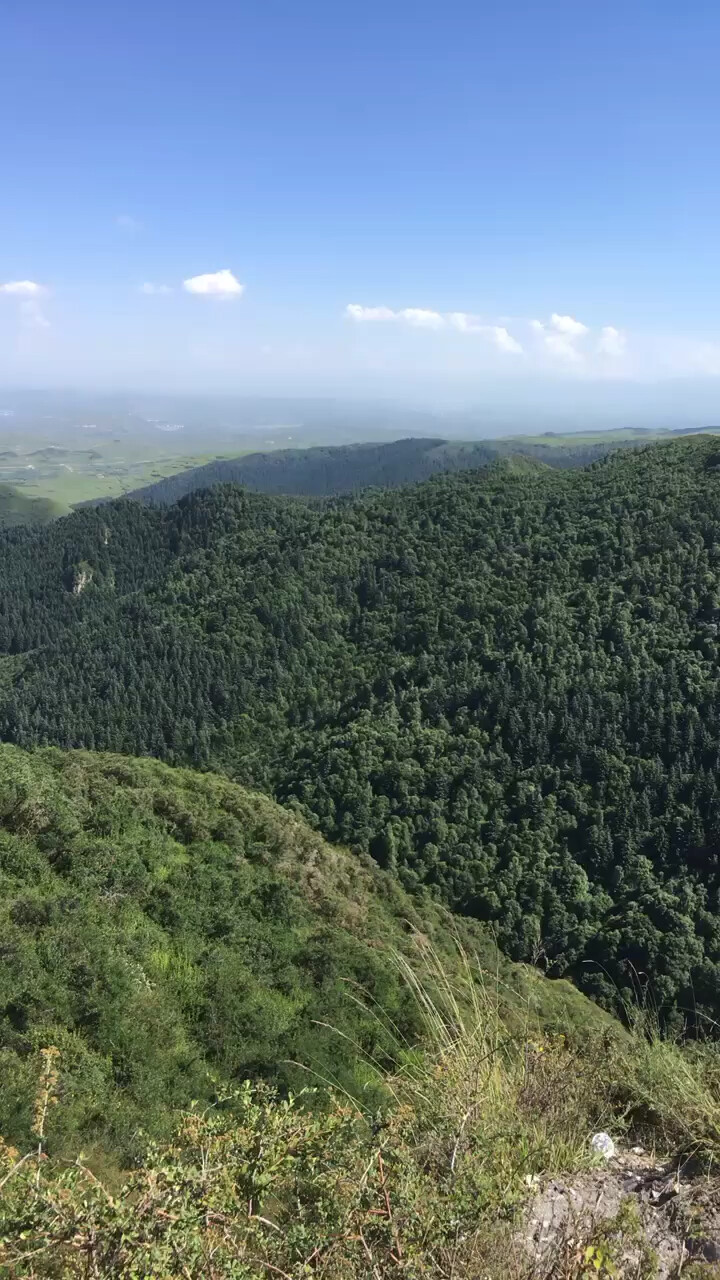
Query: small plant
[46, 1095]
[619, 1247]
[597, 1260]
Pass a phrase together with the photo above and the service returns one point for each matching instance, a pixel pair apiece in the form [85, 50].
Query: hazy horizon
[510, 410]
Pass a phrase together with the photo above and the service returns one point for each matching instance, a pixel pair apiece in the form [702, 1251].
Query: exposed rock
[638, 1217]
[81, 579]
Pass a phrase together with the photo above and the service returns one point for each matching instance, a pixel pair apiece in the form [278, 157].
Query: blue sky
[500, 193]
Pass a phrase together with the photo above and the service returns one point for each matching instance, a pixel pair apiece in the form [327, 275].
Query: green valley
[42, 479]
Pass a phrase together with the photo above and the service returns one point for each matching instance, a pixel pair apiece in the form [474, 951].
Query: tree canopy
[502, 684]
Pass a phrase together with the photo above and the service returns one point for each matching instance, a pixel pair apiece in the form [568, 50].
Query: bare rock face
[82, 578]
[634, 1218]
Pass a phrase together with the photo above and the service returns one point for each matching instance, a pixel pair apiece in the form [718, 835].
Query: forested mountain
[329, 470]
[504, 685]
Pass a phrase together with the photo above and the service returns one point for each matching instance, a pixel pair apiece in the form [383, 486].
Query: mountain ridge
[330, 470]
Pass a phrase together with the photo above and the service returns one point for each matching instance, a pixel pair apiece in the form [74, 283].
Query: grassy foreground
[433, 1184]
[166, 935]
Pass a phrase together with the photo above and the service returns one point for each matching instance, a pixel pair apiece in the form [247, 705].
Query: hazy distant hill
[327, 470]
[17, 509]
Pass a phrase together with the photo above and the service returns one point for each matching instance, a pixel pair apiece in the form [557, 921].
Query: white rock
[603, 1144]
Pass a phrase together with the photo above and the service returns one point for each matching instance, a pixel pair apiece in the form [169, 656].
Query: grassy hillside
[171, 933]
[479, 1164]
[178, 953]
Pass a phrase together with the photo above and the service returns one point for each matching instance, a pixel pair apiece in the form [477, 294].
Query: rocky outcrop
[635, 1217]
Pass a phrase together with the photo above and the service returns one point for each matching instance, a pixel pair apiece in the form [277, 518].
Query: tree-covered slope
[330, 470]
[316, 472]
[503, 685]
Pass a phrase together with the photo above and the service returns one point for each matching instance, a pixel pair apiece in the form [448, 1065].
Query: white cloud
[421, 319]
[363, 315]
[611, 342]
[23, 289]
[568, 326]
[465, 323]
[417, 317]
[28, 294]
[561, 335]
[503, 340]
[215, 284]
[126, 223]
[497, 334]
[557, 345]
[154, 289]
[559, 339]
